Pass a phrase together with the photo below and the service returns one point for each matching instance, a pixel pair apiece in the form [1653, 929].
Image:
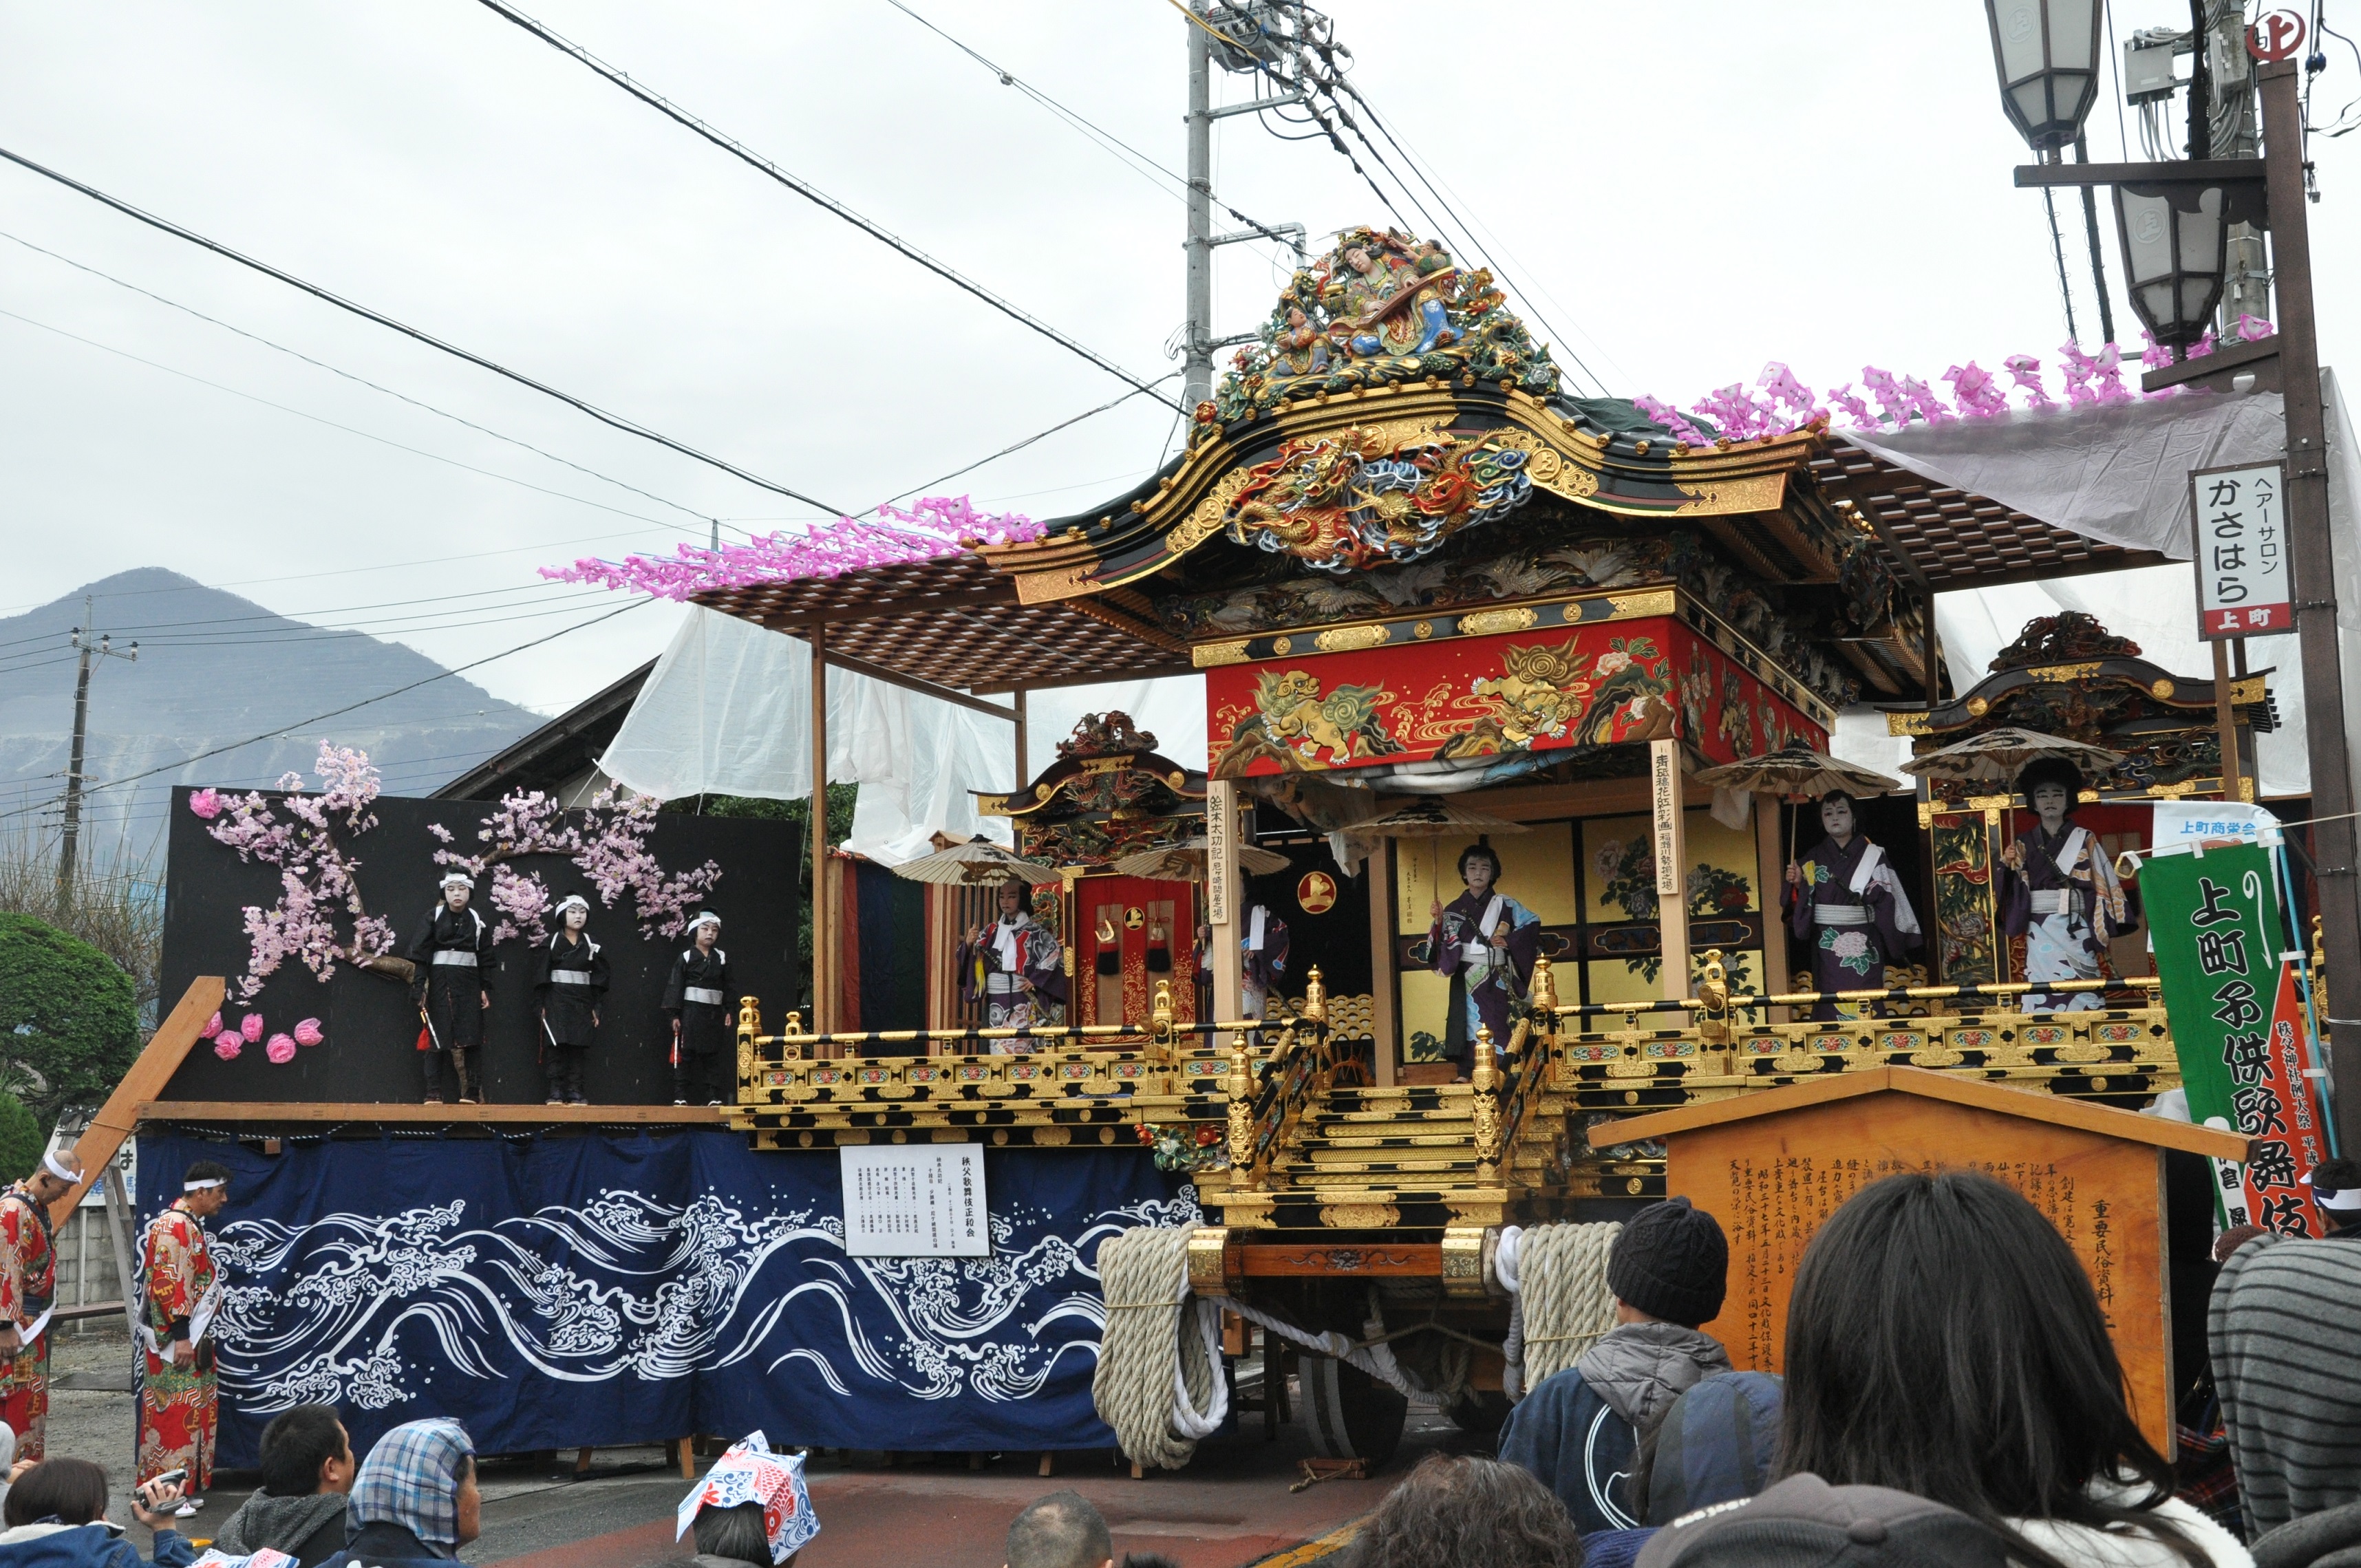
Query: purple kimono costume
[1482, 988]
[996, 969]
[1261, 964]
[2064, 915]
[1851, 936]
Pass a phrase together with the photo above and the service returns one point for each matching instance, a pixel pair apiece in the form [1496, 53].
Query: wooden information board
[1772, 1168]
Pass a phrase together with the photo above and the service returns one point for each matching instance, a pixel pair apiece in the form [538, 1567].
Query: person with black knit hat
[1581, 1431]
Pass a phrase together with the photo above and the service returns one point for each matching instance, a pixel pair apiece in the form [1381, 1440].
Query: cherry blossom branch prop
[1778, 404]
[316, 881]
[608, 845]
[935, 527]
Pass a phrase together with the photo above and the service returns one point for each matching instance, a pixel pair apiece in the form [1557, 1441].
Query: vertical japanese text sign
[2242, 588]
[2215, 921]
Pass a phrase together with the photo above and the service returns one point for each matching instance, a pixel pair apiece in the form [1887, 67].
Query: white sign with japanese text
[2243, 584]
[915, 1200]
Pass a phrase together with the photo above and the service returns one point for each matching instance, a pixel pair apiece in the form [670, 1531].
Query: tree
[20, 1140]
[68, 1021]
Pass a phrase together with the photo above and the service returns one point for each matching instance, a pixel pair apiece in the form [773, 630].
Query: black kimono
[704, 1052]
[569, 977]
[453, 954]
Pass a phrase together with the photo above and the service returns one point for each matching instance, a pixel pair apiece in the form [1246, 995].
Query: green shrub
[20, 1140]
[69, 1020]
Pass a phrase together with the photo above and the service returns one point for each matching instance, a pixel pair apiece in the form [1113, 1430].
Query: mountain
[214, 669]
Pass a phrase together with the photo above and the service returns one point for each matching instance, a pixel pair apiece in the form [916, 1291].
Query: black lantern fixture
[2173, 238]
[2048, 55]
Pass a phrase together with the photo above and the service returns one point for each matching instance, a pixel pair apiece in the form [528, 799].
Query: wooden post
[120, 1216]
[688, 1447]
[1023, 737]
[1222, 895]
[1385, 988]
[1670, 840]
[2225, 720]
[823, 981]
[1771, 881]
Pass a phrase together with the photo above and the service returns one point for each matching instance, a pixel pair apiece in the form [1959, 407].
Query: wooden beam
[923, 688]
[1265, 1261]
[166, 1049]
[1385, 988]
[823, 1014]
[244, 1111]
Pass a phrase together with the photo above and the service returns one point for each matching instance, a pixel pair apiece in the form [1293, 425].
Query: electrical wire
[1122, 151]
[362, 380]
[351, 706]
[2058, 247]
[347, 429]
[811, 193]
[1021, 446]
[294, 614]
[615, 422]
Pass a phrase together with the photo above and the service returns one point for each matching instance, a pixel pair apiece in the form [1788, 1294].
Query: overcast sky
[1684, 193]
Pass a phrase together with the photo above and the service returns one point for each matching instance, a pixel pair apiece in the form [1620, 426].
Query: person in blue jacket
[1580, 1431]
[55, 1516]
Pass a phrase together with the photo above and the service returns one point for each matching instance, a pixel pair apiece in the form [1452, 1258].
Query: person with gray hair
[1061, 1531]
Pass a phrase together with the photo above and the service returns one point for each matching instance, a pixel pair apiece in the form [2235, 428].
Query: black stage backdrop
[371, 1054]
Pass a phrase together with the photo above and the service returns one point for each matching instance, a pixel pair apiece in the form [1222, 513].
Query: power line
[350, 707]
[1020, 445]
[347, 375]
[349, 430]
[616, 421]
[819, 197]
[536, 588]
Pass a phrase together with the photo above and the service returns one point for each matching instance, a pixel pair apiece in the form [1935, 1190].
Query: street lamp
[2048, 55]
[2171, 237]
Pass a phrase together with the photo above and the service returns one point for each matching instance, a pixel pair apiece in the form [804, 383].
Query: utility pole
[2246, 285]
[1197, 351]
[70, 844]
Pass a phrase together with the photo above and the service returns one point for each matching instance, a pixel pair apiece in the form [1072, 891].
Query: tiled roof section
[1944, 539]
[957, 622]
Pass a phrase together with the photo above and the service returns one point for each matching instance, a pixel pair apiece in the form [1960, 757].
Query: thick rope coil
[1562, 1305]
[1161, 1383]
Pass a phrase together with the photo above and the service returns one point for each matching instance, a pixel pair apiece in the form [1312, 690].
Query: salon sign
[2241, 551]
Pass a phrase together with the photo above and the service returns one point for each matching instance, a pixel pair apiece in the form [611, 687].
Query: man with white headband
[28, 1278]
[179, 1295]
[697, 995]
[570, 975]
[452, 986]
[2337, 1191]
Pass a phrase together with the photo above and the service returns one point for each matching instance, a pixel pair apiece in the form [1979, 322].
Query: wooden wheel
[1350, 1413]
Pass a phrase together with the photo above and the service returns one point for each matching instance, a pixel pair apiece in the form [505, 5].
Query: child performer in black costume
[569, 975]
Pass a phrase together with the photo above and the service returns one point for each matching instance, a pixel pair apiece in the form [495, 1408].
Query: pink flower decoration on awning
[213, 1028]
[229, 1045]
[280, 1050]
[308, 1032]
[206, 803]
[251, 1027]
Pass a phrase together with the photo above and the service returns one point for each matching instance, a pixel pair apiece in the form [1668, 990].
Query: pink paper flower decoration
[206, 803]
[213, 1028]
[280, 1050]
[251, 1027]
[229, 1045]
[308, 1032]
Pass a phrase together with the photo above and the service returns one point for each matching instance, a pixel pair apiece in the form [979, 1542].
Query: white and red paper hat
[749, 1473]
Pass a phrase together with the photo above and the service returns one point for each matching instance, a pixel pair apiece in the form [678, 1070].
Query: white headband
[704, 918]
[200, 1186]
[458, 879]
[50, 1162]
[2336, 1199]
[573, 901]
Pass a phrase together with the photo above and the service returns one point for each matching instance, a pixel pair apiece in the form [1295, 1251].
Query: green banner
[2215, 922]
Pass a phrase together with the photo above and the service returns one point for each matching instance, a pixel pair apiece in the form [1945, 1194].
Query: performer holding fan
[570, 976]
[452, 987]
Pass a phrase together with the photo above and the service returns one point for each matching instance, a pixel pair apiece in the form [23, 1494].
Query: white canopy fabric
[726, 710]
[2120, 474]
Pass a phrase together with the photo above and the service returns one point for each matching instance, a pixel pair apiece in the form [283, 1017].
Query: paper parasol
[1185, 861]
[1999, 755]
[1432, 816]
[977, 861]
[1797, 770]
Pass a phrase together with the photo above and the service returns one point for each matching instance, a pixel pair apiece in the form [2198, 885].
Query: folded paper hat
[749, 1473]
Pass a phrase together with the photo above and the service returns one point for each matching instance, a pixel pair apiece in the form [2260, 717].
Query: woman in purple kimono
[1485, 942]
[1846, 903]
[1016, 967]
[2058, 891]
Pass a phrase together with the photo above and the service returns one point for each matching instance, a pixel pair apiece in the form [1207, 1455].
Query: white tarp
[2118, 474]
[726, 710]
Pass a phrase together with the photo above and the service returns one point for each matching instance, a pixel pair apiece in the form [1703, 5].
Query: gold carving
[1485, 623]
[1908, 723]
[1463, 1260]
[1423, 630]
[1484, 1084]
[1211, 656]
[1627, 607]
[1978, 707]
[1350, 639]
[1360, 1216]
[1239, 1087]
[2161, 689]
[1926, 814]
[1543, 990]
[1053, 1137]
[2064, 671]
[1991, 802]
[1209, 1248]
[1283, 645]
[1722, 498]
[2247, 689]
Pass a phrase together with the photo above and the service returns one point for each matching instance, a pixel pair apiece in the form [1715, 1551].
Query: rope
[1562, 1305]
[1160, 1386]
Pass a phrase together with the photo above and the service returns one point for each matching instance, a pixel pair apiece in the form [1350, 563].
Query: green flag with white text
[2214, 919]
